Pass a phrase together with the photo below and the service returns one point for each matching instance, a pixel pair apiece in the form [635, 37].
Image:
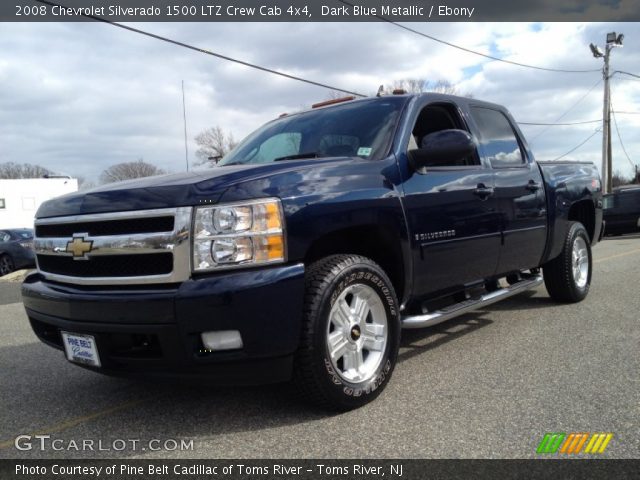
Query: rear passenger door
[519, 190]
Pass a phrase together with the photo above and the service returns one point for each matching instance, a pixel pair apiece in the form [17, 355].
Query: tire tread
[318, 277]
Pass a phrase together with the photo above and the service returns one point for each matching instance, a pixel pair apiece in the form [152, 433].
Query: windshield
[23, 234]
[363, 129]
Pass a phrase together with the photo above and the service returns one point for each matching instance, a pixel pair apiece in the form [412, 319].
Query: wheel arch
[372, 241]
[584, 212]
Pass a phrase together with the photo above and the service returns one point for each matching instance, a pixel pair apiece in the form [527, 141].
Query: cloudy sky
[79, 97]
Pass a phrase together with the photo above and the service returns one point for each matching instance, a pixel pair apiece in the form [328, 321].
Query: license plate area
[81, 349]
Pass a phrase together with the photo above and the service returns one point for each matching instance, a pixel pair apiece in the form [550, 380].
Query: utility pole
[606, 124]
[613, 40]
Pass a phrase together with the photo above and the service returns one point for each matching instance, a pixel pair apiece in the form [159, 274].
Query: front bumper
[155, 330]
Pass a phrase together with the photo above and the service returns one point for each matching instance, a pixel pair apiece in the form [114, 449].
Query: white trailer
[20, 198]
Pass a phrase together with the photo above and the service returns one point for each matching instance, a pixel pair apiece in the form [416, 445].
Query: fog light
[222, 340]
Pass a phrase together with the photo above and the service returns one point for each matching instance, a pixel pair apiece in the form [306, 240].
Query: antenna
[184, 116]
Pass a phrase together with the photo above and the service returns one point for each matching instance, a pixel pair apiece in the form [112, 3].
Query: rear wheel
[6, 264]
[351, 333]
[568, 276]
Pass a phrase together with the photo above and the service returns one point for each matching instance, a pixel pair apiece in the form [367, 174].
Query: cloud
[79, 97]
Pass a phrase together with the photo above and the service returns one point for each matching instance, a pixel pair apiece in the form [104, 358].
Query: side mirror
[443, 148]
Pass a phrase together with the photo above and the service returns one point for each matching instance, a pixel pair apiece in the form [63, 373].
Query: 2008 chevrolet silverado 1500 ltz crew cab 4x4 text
[311, 245]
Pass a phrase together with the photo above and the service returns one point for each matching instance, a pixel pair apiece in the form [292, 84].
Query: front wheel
[568, 276]
[351, 333]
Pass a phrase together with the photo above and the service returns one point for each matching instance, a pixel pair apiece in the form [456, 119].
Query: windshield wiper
[299, 155]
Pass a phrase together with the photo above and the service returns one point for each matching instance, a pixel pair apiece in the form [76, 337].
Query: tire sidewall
[340, 390]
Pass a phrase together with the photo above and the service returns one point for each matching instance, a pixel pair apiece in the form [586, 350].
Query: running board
[442, 315]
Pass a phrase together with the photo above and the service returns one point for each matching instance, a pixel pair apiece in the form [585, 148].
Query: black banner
[315, 469]
[318, 10]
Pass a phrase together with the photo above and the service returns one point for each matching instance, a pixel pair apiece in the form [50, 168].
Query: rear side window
[608, 202]
[497, 138]
[629, 200]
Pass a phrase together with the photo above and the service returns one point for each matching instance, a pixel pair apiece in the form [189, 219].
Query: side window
[4, 237]
[497, 138]
[628, 200]
[608, 202]
[435, 118]
[2, 205]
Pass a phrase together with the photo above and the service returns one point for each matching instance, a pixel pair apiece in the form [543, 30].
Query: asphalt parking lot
[486, 385]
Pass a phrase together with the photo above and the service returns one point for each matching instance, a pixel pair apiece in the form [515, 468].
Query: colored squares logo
[574, 443]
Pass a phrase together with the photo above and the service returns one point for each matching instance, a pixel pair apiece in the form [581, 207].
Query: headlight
[238, 234]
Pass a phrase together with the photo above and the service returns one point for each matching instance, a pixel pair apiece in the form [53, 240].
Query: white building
[20, 198]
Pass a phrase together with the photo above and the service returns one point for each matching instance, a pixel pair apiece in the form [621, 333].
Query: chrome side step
[447, 313]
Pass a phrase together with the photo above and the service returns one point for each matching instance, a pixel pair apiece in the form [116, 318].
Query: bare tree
[22, 170]
[417, 85]
[84, 184]
[213, 143]
[336, 94]
[128, 170]
[618, 179]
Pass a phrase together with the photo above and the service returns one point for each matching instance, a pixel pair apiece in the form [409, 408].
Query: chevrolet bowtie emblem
[79, 247]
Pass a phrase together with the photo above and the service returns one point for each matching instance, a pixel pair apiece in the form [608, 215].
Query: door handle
[533, 186]
[483, 191]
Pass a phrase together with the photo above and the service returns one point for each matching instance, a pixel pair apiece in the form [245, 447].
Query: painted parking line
[623, 254]
[65, 425]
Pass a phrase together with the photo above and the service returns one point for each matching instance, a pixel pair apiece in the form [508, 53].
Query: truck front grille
[109, 265]
[139, 247]
[107, 227]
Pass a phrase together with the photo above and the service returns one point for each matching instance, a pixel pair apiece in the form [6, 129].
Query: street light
[597, 53]
[613, 40]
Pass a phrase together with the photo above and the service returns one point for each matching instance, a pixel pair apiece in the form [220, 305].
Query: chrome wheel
[357, 333]
[580, 262]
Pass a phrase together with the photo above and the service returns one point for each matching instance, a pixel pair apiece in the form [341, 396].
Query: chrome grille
[139, 247]
[126, 226]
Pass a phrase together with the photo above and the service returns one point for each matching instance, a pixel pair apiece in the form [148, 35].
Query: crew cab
[308, 248]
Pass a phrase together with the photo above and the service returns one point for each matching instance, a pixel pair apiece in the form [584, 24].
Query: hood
[167, 191]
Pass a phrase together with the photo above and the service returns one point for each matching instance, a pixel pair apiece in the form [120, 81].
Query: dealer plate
[81, 349]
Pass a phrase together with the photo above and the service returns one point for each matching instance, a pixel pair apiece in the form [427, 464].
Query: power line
[627, 79]
[208, 52]
[625, 73]
[568, 110]
[627, 113]
[556, 124]
[468, 50]
[579, 145]
[615, 122]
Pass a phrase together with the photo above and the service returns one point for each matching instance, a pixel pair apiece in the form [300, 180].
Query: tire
[568, 276]
[6, 265]
[350, 309]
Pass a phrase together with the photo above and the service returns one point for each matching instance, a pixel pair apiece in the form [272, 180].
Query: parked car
[16, 249]
[622, 210]
[311, 245]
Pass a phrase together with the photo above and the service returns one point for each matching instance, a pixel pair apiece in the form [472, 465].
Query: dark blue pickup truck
[311, 245]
